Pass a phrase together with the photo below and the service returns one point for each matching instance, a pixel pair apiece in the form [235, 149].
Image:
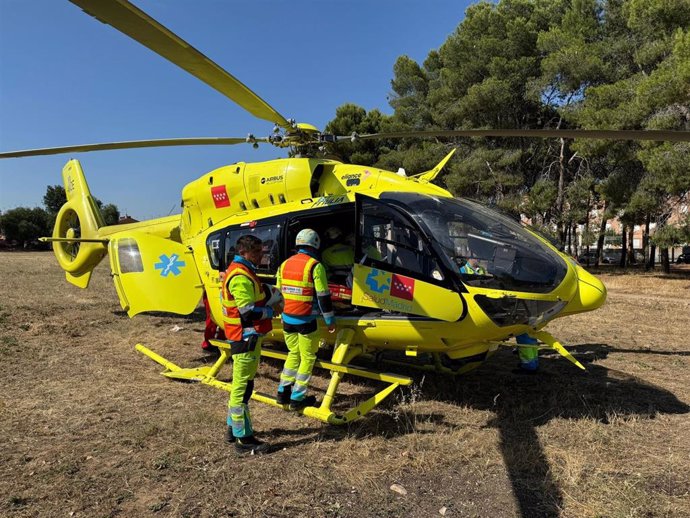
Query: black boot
[251, 445]
[283, 398]
[303, 403]
[229, 437]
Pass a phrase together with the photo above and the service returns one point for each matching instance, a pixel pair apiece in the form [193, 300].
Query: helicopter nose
[590, 294]
[592, 290]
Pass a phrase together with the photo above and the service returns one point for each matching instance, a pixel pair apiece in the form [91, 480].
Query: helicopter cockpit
[418, 252]
[505, 255]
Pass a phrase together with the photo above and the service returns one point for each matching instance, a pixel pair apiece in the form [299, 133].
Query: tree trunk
[561, 189]
[575, 243]
[570, 240]
[602, 232]
[645, 242]
[624, 244]
[665, 264]
[652, 257]
[586, 243]
[631, 246]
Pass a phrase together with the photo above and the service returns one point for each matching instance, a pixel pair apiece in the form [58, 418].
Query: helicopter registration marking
[329, 200]
[170, 265]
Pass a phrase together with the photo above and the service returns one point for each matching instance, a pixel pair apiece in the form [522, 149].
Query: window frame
[250, 227]
[449, 281]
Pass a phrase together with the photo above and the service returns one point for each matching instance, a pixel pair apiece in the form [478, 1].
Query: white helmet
[307, 237]
[333, 233]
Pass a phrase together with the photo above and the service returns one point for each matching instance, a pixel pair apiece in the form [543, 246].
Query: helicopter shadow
[590, 352]
[386, 424]
[521, 403]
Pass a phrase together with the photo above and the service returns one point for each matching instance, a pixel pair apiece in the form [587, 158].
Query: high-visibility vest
[297, 284]
[338, 258]
[467, 269]
[231, 314]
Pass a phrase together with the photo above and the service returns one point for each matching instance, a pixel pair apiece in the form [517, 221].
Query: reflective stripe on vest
[297, 284]
[467, 269]
[231, 314]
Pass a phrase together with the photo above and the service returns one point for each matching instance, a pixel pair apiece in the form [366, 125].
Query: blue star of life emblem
[169, 265]
[378, 281]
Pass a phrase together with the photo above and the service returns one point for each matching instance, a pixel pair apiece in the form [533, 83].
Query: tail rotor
[77, 245]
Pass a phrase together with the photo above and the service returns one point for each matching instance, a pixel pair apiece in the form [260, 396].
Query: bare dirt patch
[88, 427]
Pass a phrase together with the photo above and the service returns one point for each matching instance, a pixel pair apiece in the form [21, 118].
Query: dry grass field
[88, 427]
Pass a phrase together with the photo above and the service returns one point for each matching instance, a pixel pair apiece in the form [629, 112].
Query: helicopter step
[343, 353]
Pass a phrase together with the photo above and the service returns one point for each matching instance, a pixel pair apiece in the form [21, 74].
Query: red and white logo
[220, 196]
[402, 287]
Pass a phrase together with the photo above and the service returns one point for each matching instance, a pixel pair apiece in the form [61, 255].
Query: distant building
[679, 211]
[126, 219]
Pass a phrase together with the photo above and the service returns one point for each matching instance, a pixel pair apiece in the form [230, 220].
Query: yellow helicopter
[412, 238]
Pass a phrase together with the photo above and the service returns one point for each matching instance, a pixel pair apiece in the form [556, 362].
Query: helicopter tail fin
[77, 245]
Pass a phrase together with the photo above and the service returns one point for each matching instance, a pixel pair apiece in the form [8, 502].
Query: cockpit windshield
[485, 247]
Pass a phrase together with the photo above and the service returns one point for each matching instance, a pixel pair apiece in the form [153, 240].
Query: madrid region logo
[391, 284]
[170, 265]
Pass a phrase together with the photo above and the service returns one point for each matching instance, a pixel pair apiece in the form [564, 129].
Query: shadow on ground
[520, 403]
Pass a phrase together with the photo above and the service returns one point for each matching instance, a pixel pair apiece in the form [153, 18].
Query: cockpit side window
[269, 235]
[482, 246]
[213, 243]
[389, 239]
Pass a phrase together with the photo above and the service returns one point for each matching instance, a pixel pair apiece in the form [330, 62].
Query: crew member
[472, 267]
[339, 257]
[528, 352]
[247, 319]
[302, 281]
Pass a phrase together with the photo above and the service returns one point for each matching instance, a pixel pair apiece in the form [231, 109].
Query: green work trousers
[244, 367]
[299, 363]
[529, 356]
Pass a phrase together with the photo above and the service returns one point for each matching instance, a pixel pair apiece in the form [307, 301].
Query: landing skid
[343, 353]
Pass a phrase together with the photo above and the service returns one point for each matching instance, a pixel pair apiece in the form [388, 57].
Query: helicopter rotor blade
[658, 135]
[139, 26]
[133, 144]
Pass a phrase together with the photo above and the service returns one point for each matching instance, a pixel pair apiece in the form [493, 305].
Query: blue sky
[67, 79]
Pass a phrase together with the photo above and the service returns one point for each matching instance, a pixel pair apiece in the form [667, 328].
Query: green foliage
[672, 235]
[349, 119]
[591, 64]
[540, 200]
[54, 198]
[111, 214]
[25, 225]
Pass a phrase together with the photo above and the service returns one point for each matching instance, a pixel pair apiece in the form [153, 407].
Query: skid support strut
[343, 353]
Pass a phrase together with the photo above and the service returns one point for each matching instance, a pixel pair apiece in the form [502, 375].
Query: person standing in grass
[246, 320]
[303, 283]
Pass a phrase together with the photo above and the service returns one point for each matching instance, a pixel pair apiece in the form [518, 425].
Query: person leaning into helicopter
[339, 257]
[246, 320]
[303, 283]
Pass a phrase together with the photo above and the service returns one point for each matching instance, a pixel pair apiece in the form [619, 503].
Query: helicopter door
[395, 269]
[153, 274]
